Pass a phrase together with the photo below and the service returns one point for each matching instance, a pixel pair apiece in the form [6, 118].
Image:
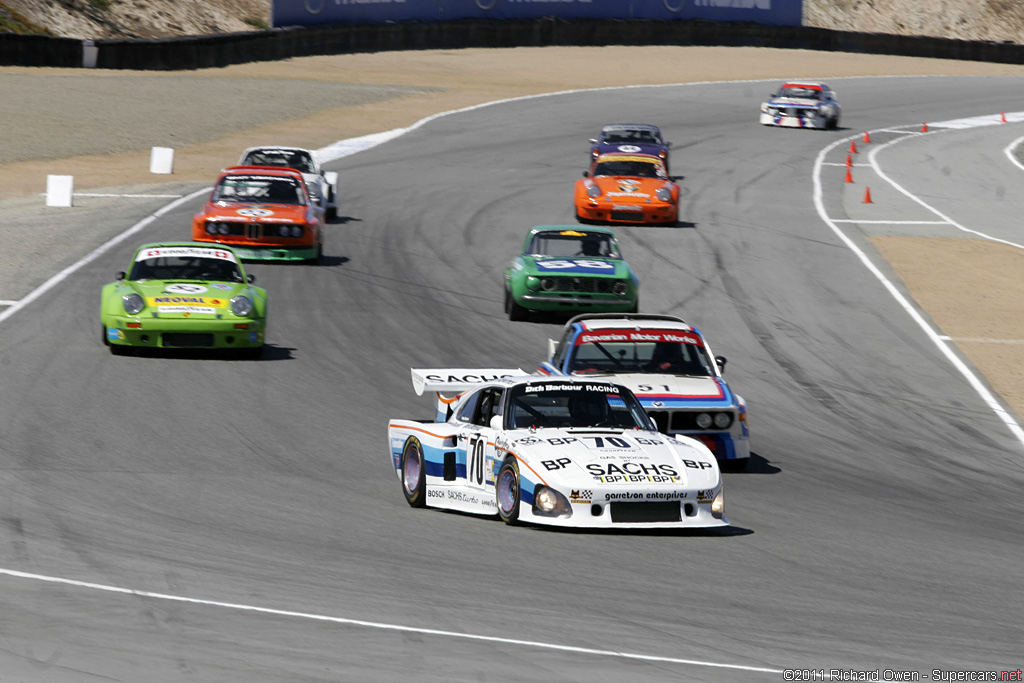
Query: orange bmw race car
[263, 213]
[627, 188]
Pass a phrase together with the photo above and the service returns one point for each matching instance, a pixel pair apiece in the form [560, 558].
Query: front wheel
[514, 311]
[414, 473]
[506, 489]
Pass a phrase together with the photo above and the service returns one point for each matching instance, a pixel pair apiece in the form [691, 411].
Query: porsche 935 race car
[802, 104]
[565, 268]
[627, 188]
[322, 185]
[562, 452]
[264, 213]
[184, 295]
[630, 138]
[669, 366]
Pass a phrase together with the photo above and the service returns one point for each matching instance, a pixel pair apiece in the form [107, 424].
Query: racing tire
[507, 493]
[414, 473]
[516, 313]
[635, 308]
[103, 331]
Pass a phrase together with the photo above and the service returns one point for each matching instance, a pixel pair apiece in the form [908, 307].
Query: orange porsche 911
[263, 213]
[627, 188]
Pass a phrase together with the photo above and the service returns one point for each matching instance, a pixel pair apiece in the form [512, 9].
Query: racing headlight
[532, 283]
[593, 191]
[241, 306]
[619, 288]
[664, 194]
[723, 420]
[133, 303]
[223, 228]
[296, 231]
[718, 504]
[547, 284]
[548, 502]
[810, 113]
[703, 420]
[211, 228]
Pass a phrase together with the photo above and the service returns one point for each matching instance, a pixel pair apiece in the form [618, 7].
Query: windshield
[806, 92]
[300, 161]
[639, 169]
[165, 264]
[663, 352]
[573, 243]
[264, 189]
[634, 135]
[564, 404]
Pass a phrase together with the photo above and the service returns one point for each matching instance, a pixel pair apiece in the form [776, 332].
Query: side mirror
[496, 422]
[250, 278]
[120, 275]
[720, 361]
[593, 141]
[586, 174]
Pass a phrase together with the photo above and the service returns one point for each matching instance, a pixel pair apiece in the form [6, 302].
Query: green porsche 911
[571, 269]
[184, 295]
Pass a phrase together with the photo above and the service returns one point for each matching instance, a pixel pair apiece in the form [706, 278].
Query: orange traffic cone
[849, 176]
[849, 160]
[1002, 116]
[853, 147]
[866, 138]
[924, 126]
[867, 196]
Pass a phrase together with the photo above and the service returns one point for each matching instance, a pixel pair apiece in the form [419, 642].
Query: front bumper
[794, 121]
[685, 514]
[563, 301]
[268, 252]
[172, 333]
[606, 212]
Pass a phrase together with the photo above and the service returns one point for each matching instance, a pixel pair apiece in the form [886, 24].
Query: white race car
[802, 104]
[322, 185]
[563, 452]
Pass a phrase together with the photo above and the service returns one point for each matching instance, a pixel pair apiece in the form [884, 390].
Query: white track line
[94, 254]
[939, 340]
[385, 626]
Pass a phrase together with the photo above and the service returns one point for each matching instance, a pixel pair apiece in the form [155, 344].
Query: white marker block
[59, 189]
[161, 160]
[90, 53]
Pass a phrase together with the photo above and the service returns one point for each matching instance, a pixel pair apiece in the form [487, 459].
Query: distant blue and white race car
[563, 452]
[802, 104]
[668, 365]
[630, 138]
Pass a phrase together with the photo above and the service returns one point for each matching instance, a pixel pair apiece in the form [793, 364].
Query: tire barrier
[200, 52]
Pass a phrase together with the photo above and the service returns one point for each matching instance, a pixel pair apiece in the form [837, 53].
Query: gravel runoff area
[99, 126]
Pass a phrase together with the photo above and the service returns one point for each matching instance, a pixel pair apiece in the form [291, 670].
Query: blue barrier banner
[307, 12]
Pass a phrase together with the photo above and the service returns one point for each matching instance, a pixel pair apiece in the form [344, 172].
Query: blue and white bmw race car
[802, 104]
[668, 365]
[563, 452]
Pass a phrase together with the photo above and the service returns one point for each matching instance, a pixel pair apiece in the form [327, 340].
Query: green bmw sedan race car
[571, 269]
[184, 295]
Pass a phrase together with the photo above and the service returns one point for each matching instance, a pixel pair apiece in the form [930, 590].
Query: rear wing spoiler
[450, 383]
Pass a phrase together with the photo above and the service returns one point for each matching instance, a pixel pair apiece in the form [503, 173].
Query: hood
[187, 298]
[596, 457]
[675, 391]
[794, 102]
[256, 213]
[575, 266]
[628, 187]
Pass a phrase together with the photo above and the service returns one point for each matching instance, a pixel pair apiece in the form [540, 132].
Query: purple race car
[630, 138]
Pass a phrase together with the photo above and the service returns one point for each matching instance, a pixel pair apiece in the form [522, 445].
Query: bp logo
[255, 213]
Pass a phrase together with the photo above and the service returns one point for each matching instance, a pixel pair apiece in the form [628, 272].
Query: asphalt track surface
[182, 518]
